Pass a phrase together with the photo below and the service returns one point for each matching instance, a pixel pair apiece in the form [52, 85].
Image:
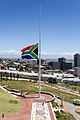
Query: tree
[6, 77]
[14, 76]
[17, 76]
[21, 68]
[52, 80]
[10, 76]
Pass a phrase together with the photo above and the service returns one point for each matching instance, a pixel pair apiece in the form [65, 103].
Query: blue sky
[60, 26]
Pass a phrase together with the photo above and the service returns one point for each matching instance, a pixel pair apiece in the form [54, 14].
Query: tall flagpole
[39, 94]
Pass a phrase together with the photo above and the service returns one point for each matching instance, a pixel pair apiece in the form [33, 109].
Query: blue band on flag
[27, 57]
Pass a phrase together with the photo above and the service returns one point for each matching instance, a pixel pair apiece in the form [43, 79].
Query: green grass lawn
[73, 87]
[65, 96]
[8, 104]
[64, 116]
[22, 86]
[25, 86]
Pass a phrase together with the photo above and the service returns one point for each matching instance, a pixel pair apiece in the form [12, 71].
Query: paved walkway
[70, 108]
[40, 111]
[25, 113]
[44, 98]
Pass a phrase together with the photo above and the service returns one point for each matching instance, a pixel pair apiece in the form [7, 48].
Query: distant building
[54, 64]
[64, 65]
[71, 81]
[71, 71]
[76, 60]
[61, 59]
[68, 65]
[77, 71]
[42, 61]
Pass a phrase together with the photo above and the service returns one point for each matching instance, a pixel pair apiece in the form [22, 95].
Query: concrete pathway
[25, 112]
[40, 111]
[42, 102]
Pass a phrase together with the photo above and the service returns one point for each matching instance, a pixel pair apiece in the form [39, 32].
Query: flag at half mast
[30, 52]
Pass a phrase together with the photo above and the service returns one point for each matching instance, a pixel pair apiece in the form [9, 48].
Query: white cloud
[69, 55]
[50, 55]
[10, 54]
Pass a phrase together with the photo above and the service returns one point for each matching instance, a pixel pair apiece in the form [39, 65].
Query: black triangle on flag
[35, 51]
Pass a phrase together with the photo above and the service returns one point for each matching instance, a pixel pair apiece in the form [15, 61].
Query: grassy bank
[8, 104]
[73, 87]
[63, 95]
[64, 116]
[22, 86]
[25, 86]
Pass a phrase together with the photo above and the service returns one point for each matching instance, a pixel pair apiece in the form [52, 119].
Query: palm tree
[6, 76]
[1, 76]
[17, 76]
[10, 76]
[14, 76]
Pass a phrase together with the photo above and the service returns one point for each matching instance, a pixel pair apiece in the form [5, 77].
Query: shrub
[58, 115]
[13, 101]
[54, 104]
[52, 80]
[64, 116]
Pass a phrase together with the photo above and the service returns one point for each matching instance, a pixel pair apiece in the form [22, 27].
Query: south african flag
[30, 52]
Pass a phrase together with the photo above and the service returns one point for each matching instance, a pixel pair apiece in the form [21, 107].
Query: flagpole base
[40, 97]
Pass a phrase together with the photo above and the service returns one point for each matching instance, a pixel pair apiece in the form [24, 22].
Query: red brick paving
[25, 112]
[50, 111]
[66, 108]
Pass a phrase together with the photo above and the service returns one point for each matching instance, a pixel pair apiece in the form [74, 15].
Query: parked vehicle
[76, 102]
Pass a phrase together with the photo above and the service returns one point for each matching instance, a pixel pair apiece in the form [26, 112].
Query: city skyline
[60, 27]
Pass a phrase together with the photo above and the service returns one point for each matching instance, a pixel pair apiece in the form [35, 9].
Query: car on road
[76, 102]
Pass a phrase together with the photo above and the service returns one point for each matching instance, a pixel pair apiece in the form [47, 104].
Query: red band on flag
[27, 48]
